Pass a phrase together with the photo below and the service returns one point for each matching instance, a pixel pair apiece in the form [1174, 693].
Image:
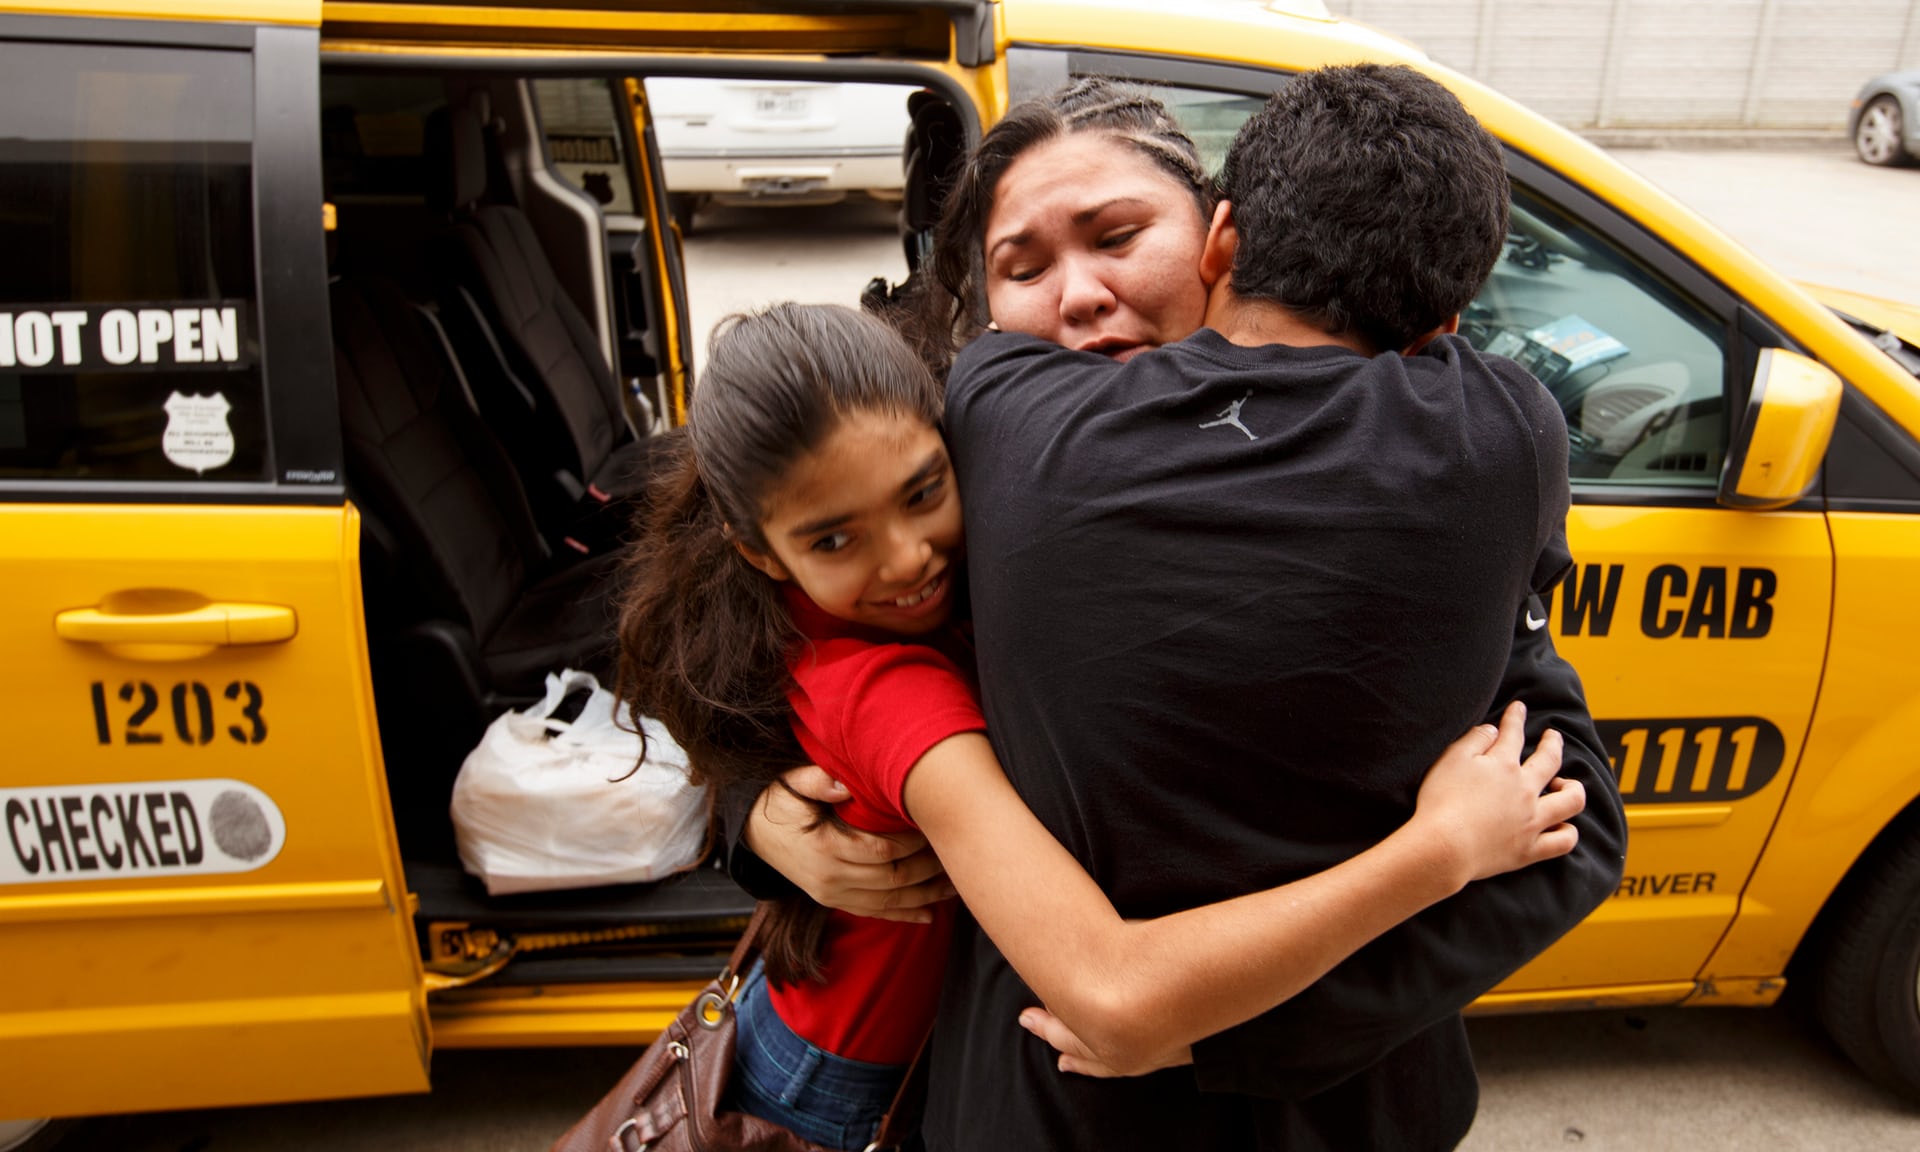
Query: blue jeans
[807, 1090]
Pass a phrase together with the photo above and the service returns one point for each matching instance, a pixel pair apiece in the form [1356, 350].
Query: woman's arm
[1134, 991]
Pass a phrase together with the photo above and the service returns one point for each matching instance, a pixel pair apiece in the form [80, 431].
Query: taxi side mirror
[1782, 438]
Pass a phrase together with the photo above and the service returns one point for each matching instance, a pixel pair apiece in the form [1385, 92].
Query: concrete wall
[1623, 64]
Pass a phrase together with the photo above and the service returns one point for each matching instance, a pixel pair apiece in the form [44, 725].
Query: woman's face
[1093, 246]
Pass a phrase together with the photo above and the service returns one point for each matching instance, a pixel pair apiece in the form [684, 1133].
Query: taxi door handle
[215, 623]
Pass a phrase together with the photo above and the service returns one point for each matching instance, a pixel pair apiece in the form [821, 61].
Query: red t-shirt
[866, 707]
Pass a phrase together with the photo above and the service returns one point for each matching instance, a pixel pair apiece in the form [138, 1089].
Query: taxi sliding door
[200, 898]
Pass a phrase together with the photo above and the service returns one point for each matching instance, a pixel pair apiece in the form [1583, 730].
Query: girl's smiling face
[1091, 245]
[868, 524]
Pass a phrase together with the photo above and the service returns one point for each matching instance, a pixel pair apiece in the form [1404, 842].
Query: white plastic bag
[544, 804]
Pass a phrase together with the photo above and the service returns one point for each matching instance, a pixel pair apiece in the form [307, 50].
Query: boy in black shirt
[1233, 596]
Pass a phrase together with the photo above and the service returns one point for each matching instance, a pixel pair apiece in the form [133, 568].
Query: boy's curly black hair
[1369, 202]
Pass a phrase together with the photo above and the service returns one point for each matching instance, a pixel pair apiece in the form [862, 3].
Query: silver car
[1885, 119]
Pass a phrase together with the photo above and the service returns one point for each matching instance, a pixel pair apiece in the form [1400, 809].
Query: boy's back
[1328, 604]
[1230, 603]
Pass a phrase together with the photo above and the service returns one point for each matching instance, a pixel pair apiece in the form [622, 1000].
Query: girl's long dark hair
[944, 303]
[705, 638]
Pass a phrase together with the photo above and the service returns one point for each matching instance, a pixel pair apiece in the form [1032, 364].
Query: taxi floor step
[539, 969]
[448, 893]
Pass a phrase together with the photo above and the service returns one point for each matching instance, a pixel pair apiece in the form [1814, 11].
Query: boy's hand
[887, 877]
[1078, 1058]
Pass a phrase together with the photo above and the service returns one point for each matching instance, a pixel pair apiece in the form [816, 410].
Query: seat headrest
[468, 155]
[936, 146]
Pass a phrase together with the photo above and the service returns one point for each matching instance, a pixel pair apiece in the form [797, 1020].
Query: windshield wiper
[1904, 354]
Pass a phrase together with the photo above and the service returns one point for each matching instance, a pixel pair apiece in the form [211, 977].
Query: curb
[1730, 139]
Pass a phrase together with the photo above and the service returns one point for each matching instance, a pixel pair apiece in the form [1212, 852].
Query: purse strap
[909, 1103]
[747, 948]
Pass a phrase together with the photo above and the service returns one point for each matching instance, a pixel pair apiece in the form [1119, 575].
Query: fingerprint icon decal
[239, 826]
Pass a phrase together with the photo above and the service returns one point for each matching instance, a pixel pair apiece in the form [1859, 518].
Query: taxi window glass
[129, 344]
[375, 132]
[1213, 119]
[1638, 369]
[583, 141]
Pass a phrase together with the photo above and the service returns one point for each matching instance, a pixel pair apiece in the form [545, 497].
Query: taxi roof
[239, 11]
[1287, 33]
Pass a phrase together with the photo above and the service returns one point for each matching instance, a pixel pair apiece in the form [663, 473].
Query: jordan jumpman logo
[1231, 415]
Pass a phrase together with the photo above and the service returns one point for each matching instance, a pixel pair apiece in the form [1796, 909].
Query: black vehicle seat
[936, 145]
[467, 608]
[536, 366]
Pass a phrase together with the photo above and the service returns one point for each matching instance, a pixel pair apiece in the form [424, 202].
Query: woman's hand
[887, 877]
[1492, 812]
[1077, 1057]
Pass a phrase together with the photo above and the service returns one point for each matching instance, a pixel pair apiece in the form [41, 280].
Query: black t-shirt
[1230, 603]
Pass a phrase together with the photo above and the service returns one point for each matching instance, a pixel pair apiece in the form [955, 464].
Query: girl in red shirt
[792, 599]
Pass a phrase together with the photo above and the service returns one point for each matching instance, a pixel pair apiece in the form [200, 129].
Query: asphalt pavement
[1815, 213]
[1665, 1080]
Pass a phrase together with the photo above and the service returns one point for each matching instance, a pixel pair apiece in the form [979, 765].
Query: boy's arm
[732, 809]
[1441, 960]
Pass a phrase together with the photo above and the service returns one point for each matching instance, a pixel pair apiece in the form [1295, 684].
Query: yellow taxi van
[328, 331]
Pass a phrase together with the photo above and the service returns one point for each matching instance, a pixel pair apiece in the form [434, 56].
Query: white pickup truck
[776, 141]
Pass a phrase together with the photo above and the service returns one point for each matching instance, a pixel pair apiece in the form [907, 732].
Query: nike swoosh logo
[1534, 625]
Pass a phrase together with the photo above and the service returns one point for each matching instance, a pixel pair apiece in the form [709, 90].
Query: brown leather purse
[669, 1101]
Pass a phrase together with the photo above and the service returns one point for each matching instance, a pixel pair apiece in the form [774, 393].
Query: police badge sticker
[197, 434]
